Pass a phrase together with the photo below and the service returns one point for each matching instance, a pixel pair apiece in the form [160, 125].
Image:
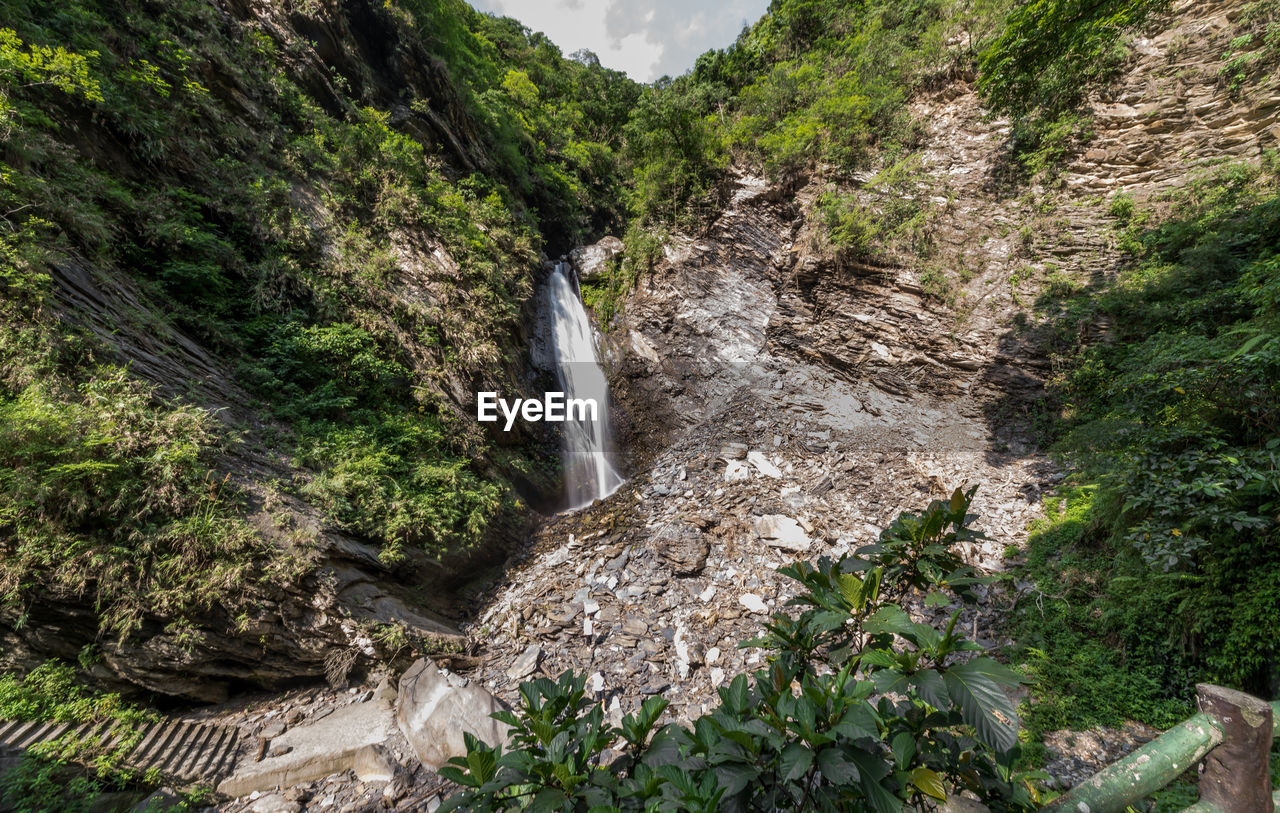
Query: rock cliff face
[1179, 110]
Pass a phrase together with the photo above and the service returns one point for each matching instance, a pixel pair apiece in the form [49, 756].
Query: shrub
[1169, 573]
[118, 491]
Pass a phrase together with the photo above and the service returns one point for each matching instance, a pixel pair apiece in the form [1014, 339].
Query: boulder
[763, 464]
[435, 708]
[315, 750]
[684, 548]
[373, 764]
[592, 261]
[778, 531]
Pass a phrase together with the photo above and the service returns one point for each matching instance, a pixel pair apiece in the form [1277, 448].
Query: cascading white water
[588, 473]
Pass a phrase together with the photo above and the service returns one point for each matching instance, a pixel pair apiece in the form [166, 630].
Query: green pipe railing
[1145, 771]
[1164, 759]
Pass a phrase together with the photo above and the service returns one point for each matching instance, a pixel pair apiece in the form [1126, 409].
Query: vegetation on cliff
[345, 250]
[1160, 563]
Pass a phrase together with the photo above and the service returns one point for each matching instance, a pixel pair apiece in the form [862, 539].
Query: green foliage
[1101, 649]
[823, 82]
[859, 708]
[1041, 80]
[392, 478]
[677, 158]
[116, 490]
[351, 267]
[812, 85]
[51, 693]
[886, 216]
[31, 66]
[1161, 569]
[919, 550]
[604, 297]
[1256, 46]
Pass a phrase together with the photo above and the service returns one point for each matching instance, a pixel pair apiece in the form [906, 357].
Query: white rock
[372, 764]
[557, 557]
[682, 650]
[753, 603]
[779, 531]
[525, 663]
[709, 593]
[274, 803]
[736, 470]
[763, 464]
[642, 348]
[433, 715]
[592, 261]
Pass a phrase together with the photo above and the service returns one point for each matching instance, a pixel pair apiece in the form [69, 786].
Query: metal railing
[1232, 733]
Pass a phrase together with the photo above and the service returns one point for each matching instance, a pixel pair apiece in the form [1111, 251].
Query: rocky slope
[808, 410]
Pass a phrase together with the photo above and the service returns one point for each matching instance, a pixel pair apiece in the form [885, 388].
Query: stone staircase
[184, 753]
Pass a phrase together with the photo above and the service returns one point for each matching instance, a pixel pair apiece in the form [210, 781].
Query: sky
[644, 38]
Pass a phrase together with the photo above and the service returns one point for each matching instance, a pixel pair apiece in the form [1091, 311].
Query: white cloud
[644, 38]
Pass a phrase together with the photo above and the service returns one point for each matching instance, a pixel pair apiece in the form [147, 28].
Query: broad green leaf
[904, 748]
[850, 588]
[456, 774]
[481, 763]
[872, 769]
[928, 684]
[857, 722]
[937, 599]
[880, 657]
[736, 695]
[835, 768]
[929, 783]
[733, 777]
[547, 800]
[995, 670]
[889, 618]
[795, 761]
[983, 705]
[567, 778]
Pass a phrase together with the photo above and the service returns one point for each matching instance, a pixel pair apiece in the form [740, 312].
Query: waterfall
[588, 473]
